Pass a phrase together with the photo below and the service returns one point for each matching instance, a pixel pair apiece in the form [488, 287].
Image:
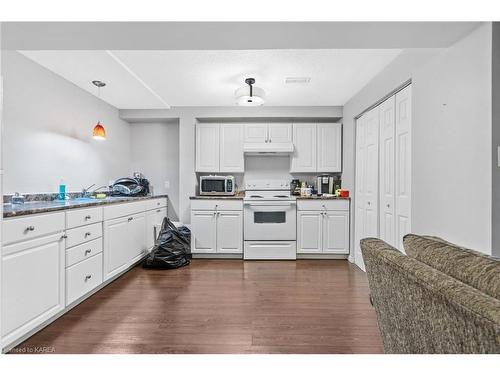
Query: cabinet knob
[158, 210]
[88, 277]
[87, 234]
[88, 251]
[266, 141]
[88, 217]
[64, 236]
[388, 205]
[130, 219]
[368, 203]
[31, 228]
[269, 140]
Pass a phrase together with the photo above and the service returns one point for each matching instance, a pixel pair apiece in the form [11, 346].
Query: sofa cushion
[470, 267]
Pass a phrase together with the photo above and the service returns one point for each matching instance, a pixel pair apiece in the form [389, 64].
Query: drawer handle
[88, 217]
[87, 234]
[130, 218]
[88, 251]
[31, 228]
[88, 277]
[64, 236]
[158, 210]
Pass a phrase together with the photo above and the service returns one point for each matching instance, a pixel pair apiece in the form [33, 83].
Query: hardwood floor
[223, 306]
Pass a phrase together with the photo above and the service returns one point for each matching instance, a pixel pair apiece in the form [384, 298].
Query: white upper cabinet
[231, 148]
[317, 148]
[207, 147]
[256, 133]
[304, 154]
[280, 133]
[329, 147]
[219, 148]
[268, 133]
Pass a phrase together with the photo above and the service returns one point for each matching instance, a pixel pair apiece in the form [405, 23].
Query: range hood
[267, 148]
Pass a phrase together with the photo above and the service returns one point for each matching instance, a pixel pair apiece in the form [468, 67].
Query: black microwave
[217, 185]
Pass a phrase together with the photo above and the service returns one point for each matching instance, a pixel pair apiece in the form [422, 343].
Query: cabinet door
[329, 147]
[154, 218]
[207, 147]
[336, 232]
[304, 152]
[280, 133]
[403, 165]
[231, 148]
[256, 133]
[387, 222]
[32, 284]
[309, 232]
[137, 237]
[116, 246]
[230, 232]
[203, 232]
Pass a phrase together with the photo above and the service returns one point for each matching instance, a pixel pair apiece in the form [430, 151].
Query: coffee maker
[327, 184]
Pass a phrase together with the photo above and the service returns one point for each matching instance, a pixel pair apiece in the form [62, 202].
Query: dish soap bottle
[62, 189]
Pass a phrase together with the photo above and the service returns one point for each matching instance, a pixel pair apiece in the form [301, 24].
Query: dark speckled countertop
[239, 195]
[37, 207]
[324, 198]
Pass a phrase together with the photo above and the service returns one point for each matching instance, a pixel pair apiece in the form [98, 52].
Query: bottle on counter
[62, 189]
[303, 189]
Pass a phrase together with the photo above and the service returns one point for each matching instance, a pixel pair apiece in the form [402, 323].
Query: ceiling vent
[302, 80]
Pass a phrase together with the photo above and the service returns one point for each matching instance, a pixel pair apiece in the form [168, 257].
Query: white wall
[155, 153]
[451, 143]
[47, 132]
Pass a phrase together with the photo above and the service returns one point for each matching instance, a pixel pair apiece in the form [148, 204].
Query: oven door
[270, 221]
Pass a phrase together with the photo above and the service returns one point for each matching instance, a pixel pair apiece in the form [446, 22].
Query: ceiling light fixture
[99, 132]
[249, 95]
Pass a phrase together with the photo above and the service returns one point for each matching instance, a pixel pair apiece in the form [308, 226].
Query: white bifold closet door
[367, 162]
[383, 173]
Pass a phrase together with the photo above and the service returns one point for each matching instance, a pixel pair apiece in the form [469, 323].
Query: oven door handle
[270, 204]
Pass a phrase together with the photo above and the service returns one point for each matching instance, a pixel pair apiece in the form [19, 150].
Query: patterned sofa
[440, 298]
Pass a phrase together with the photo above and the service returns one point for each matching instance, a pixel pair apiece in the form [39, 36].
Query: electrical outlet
[167, 184]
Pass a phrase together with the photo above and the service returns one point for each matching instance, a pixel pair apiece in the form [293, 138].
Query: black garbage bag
[172, 248]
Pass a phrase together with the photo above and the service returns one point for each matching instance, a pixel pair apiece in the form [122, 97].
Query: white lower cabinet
[82, 277]
[203, 232]
[124, 242]
[217, 226]
[323, 228]
[309, 231]
[229, 232]
[32, 284]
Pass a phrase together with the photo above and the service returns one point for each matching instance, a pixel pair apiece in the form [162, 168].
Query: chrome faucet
[87, 193]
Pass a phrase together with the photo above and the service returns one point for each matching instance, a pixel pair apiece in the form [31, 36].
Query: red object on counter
[344, 193]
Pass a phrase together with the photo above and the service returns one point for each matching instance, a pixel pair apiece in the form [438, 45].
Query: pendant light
[99, 132]
[249, 95]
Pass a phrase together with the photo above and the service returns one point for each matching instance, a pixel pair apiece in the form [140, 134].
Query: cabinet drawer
[151, 204]
[83, 277]
[322, 205]
[123, 209]
[83, 251]
[77, 218]
[80, 235]
[28, 227]
[219, 204]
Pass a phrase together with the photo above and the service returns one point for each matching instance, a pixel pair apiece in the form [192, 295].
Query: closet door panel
[371, 173]
[387, 172]
[403, 164]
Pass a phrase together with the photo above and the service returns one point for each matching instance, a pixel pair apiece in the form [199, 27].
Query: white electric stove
[270, 220]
